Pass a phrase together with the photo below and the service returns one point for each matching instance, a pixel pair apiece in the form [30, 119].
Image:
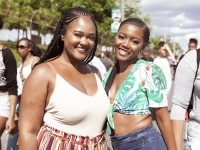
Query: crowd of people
[69, 98]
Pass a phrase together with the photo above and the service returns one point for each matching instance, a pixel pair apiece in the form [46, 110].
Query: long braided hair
[146, 34]
[56, 46]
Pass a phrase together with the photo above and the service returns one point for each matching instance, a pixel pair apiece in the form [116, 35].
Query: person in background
[30, 54]
[182, 90]
[163, 60]
[193, 44]
[106, 59]
[146, 55]
[96, 62]
[69, 111]
[136, 86]
[8, 90]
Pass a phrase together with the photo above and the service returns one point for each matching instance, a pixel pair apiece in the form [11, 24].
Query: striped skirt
[52, 139]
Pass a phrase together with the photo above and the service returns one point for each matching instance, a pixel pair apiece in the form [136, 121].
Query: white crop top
[74, 112]
[26, 72]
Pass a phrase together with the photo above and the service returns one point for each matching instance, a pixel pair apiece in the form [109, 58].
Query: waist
[129, 123]
[63, 134]
[83, 128]
[135, 134]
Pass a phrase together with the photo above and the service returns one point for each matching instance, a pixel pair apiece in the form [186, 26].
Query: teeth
[122, 52]
[81, 49]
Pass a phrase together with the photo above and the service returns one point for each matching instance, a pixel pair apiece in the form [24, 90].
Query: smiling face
[79, 38]
[129, 42]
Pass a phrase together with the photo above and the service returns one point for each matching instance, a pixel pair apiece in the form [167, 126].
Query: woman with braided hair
[64, 104]
[30, 54]
[136, 88]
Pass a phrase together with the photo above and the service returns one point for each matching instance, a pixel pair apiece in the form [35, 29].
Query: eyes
[133, 40]
[80, 35]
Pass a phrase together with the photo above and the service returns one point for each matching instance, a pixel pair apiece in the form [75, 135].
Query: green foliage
[174, 46]
[43, 15]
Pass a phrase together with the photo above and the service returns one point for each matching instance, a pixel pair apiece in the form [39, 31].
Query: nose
[125, 43]
[83, 41]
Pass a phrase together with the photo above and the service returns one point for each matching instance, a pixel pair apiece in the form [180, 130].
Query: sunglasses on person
[21, 47]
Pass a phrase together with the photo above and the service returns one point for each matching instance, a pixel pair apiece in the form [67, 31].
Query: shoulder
[7, 54]
[152, 73]
[189, 61]
[41, 68]
[35, 60]
[189, 57]
[190, 54]
[147, 65]
[151, 69]
[42, 71]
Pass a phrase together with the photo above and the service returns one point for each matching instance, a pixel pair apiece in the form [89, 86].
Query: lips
[82, 50]
[123, 52]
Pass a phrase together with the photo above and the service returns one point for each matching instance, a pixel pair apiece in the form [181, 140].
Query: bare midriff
[129, 123]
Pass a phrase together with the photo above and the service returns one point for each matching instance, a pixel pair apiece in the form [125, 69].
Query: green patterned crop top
[144, 87]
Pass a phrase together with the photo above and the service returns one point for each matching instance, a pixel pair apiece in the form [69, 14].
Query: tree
[43, 16]
[175, 47]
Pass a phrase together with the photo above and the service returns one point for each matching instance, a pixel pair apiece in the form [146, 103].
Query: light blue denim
[13, 138]
[144, 139]
[12, 141]
[192, 141]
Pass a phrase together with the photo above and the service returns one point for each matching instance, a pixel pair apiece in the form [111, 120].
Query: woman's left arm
[11, 78]
[165, 126]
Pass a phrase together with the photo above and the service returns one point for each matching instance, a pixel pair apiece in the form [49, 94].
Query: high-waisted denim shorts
[147, 138]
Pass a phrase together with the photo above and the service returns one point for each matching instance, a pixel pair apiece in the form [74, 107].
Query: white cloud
[177, 18]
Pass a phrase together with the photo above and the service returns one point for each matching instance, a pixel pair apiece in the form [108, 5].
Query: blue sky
[179, 19]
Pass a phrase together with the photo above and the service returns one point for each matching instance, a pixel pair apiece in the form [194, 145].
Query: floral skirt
[52, 139]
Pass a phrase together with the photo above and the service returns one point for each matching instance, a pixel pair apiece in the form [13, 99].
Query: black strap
[191, 98]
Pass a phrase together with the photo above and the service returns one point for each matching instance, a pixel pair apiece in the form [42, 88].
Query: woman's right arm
[32, 107]
[182, 91]
[178, 128]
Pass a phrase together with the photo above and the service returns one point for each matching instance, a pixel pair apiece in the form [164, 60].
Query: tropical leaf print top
[144, 87]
